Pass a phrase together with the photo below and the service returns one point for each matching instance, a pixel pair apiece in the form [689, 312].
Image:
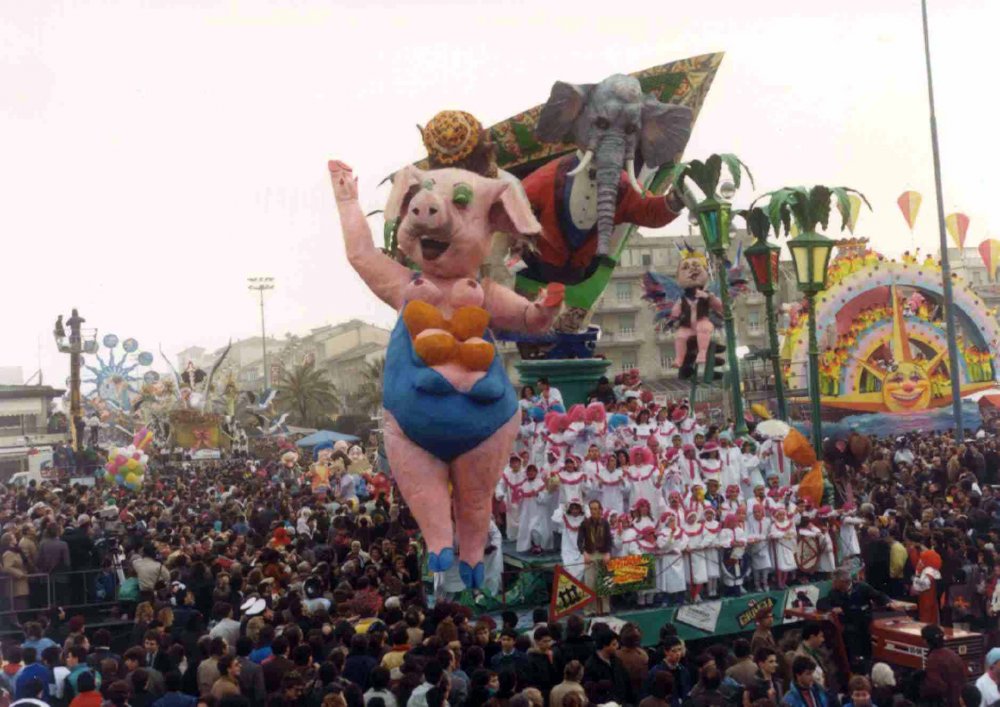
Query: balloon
[990, 252]
[142, 437]
[132, 479]
[855, 210]
[120, 459]
[132, 465]
[909, 203]
[957, 225]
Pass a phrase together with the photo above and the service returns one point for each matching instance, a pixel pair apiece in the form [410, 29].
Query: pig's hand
[540, 314]
[345, 184]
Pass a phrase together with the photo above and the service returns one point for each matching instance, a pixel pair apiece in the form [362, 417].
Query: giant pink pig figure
[451, 414]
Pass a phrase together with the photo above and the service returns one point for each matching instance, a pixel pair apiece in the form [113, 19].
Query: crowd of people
[248, 582]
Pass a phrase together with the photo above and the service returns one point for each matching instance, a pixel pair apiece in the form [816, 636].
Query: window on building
[753, 320]
[10, 422]
[647, 260]
[626, 324]
[666, 358]
[623, 291]
[628, 361]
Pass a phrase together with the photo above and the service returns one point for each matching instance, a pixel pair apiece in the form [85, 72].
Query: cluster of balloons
[127, 465]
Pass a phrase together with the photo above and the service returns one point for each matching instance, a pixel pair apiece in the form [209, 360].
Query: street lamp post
[714, 216]
[811, 254]
[763, 257]
[260, 285]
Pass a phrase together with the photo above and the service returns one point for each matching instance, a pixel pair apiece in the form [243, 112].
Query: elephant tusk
[630, 171]
[584, 163]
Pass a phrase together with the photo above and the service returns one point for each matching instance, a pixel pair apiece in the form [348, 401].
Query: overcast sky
[156, 153]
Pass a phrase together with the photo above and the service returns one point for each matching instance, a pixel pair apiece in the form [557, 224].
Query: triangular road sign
[568, 594]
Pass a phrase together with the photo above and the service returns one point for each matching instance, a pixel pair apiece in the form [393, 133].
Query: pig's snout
[428, 214]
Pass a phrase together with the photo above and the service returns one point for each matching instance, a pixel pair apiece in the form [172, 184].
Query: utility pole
[261, 285]
[949, 303]
[74, 347]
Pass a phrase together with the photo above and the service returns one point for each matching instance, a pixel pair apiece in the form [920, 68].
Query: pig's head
[445, 218]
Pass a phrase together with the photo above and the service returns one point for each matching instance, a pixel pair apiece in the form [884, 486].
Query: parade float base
[573, 377]
[527, 561]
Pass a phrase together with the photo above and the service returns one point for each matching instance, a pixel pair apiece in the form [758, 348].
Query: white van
[39, 462]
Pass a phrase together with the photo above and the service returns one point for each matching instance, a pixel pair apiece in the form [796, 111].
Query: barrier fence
[71, 590]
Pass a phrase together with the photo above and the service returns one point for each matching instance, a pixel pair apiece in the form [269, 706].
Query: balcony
[610, 339]
[607, 305]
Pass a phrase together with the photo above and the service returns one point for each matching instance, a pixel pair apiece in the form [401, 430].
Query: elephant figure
[451, 414]
[581, 197]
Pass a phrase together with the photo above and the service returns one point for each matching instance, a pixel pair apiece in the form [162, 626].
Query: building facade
[24, 424]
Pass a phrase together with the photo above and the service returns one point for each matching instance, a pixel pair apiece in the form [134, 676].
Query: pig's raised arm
[512, 312]
[383, 275]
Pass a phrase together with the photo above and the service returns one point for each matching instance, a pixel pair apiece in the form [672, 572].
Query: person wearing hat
[671, 565]
[847, 536]
[750, 474]
[645, 540]
[697, 569]
[573, 482]
[709, 463]
[758, 529]
[532, 533]
[783, 537]
[987, 682]
[731, 461]
[685, 422]
[925, 586]
[642, 476]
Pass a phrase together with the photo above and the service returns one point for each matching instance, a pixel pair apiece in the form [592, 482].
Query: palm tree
[306, 393]
[367, 399]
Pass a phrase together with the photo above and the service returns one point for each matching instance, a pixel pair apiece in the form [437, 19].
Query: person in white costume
[671, 564]
[758, 528]
[612, 485]
[732, 463]
[690, 466]
[569, 518]
[508, 491]
[532, 533]
[827, 557]
[665, 428]
[697, 566]
[772, 455]
[783, 538]
[711, 545]
[847, 536]
[643, 479]
[573, 482]
[686, 425]
[645, 541]
[733, 539]
[750, 465]
[710, 465]
[591, 467]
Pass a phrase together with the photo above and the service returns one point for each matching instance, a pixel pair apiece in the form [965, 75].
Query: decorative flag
[990, 252]
[909, 204]
[855, 210]
[958, 226]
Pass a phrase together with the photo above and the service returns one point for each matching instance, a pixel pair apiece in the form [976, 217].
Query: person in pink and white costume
[694, 530]
[772, 455]
[577, 436]
[611, 484]
[533, 528]
[709, 463]
[732, 504]
[784, 538]
[572, 480]
[711, 546]
[646, 540]
[732, 464]
[591, 467]
[733, 537]
[750, 468]
[690, 466]
[673, 480]
[643, 478]
[827, 557]
[847, 536]
[671, 565]
[508, 490]
[758, 530]
[686, 423]
[568, 519]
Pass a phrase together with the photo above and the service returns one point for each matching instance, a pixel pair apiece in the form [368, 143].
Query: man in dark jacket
[853, 602]
[359, 665]
[605, 667]
[277, 665]
[673, 651]
[251, 675]
[945, 671]
[542, 663]
[804, 692]
[577, 645]
[594, 542]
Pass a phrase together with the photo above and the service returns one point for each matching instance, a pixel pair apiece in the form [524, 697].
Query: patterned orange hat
[451, 136]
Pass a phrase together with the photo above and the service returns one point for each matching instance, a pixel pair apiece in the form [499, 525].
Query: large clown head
[906, 388]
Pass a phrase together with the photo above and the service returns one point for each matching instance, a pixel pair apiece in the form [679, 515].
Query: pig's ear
[405, 182]
[510, 210]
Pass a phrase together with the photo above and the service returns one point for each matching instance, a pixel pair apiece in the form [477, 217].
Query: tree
[306, 393]
[367, 399]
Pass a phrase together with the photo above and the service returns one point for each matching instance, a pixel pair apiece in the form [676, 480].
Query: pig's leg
[680, 345]
[475, 475]
[423, 480]
[704, 329]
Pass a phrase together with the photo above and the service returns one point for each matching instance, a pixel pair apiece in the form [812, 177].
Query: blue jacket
[794, 698]
[176, 699]
[35, 670]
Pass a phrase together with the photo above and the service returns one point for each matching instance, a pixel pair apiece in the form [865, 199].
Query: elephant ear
[665, 131]
[403, 183]
[511, 211]
[566, 102]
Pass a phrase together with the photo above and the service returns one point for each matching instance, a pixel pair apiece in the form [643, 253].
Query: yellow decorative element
[476, 354]
[435, 346]
[419, 316]
[469, 323]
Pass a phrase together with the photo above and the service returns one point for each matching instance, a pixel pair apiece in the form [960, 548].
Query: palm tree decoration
[367, 399]
[808, 207]
[707, 174]
[306, 393]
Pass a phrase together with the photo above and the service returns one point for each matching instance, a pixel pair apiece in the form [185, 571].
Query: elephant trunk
[608, 158]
